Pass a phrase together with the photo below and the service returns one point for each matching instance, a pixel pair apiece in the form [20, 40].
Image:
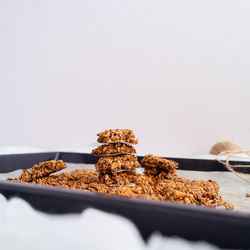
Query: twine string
[230, 167]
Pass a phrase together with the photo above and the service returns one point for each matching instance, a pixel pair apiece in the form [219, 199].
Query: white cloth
[24, 228]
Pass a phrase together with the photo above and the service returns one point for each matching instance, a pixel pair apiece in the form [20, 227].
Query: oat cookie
[113, 148]
[43, 169]
[157, 162]
[117, 135]
[109, 164]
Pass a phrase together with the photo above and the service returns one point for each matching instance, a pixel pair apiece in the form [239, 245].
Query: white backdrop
[177, 72]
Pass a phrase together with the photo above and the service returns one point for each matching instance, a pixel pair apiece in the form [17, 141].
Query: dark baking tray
[226, 229]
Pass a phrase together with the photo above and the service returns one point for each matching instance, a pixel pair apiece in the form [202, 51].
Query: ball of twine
[227, 150]
[224, 146]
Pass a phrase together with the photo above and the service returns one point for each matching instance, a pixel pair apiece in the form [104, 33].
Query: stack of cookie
[159, 168]
[118, 161]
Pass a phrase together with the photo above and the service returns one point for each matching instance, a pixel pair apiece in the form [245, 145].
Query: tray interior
[224, 228]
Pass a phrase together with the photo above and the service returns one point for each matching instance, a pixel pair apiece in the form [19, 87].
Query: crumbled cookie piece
[195, 192]
[145, 186]
[84, 175]
[69, 179]
[13, 179]
[84, 179]
[157, 162]
[247, 195]
[117, 135]
[114, 148]
[176, 189]
[43, 169]
[109, 164]
[120, 178]
[126, 191]
[160, 173]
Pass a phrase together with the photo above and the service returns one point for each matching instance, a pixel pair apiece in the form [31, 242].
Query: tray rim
[8, 185]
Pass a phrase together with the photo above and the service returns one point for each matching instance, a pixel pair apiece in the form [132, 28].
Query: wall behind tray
[177, 72]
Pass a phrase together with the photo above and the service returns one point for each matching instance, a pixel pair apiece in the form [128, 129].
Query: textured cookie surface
[157, 162]
[115, 163]
[113, 148]
[43, 169]
[120, 178]
[160, 173]
[117, 135]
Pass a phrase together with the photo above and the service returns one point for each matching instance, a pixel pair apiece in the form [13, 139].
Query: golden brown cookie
[43, 169]
[157, 162]
[115, 163]
[117, 135]
[113, 148]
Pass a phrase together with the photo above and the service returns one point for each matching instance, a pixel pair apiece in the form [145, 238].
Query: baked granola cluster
[160, 173]
[43, 169]
[115, 163]
[119, 178]
[117, 135]
[113, 149]
[157, 162]
[159, 168]
[119, 167]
